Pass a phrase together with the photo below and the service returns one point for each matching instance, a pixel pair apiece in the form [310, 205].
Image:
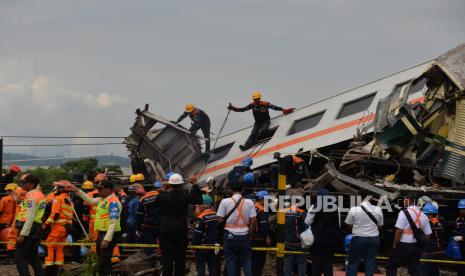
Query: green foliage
[84, 166]
[90, 264]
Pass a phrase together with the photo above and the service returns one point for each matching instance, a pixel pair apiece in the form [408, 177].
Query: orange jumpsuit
[60, 216]
[7, 210]
[20, 194]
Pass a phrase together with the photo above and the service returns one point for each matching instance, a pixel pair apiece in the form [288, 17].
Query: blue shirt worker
[261, 234]
[434, 248]
[133, 207]
[460, 233]
[206, 233]
[295, 225]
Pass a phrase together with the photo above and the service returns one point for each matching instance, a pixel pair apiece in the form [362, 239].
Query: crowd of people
[110, 211]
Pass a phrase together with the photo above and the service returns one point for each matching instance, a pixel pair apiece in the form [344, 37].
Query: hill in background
[57, 161]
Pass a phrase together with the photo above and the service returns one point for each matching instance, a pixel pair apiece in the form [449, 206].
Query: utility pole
[281, 219]
[1, 155]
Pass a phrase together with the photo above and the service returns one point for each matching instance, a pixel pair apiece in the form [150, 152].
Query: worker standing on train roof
[200, 120]
[260, 110]
[59, 221]
[28, 223]
[7, 207]
[107, 221]
[8, 178]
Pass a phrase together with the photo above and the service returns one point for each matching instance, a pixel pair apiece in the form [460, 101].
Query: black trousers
[257, 131]
[27, 253]
[322, 259]
[173, 250]
[406, 254]
[105, 266]
[258, 258]
[205, 131]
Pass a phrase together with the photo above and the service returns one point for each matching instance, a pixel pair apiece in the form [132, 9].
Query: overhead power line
[63, 137]
[63, 145]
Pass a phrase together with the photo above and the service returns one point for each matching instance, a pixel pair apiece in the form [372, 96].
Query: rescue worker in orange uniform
[60, 221]
[7, 207]
[261, 114]
[18, 196]
[107, 221]
[28, 223]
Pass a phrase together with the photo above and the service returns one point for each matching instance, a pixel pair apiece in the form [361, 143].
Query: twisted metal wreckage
[406, 146]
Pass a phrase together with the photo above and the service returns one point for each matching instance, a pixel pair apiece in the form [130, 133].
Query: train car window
[220, 152]
[356, 106]
[306, 123]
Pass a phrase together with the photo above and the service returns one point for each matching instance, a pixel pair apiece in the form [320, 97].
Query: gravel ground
[269, 270]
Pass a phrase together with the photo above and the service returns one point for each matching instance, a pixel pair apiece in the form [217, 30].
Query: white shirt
[362, 225]
[422, 223]
[248, 211]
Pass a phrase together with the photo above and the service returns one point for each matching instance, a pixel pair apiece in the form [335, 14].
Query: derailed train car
[409, 126]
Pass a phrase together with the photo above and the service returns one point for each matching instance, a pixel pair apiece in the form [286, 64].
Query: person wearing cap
[364, 222]
[133, 208]
[9, 177]
[237, 173]
[107, 221]
[205, 233]
[148, 219]
[59, 222]
[434, 248]
[28, 223]
[459, 233]
[200, 120]
[239, 216]
[173, 205]
[405, 248]
[326, 228]
[294, 169]
[261, 113]
[18, 195]
[261, 234]
[7, 207]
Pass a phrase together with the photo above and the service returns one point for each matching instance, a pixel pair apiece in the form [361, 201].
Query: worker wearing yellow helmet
[140, 178]
[200, 120]
[260, 110]
[7, 206]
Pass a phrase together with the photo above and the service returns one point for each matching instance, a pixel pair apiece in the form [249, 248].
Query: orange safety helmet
[256, 95]
[190, 108]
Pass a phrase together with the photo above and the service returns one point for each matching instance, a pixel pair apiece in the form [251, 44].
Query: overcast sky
[83, 67]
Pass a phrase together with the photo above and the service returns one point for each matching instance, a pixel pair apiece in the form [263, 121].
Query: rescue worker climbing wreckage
[200, 120]
[28, 223]
[58, 225]
[260, 110]
[107, 220]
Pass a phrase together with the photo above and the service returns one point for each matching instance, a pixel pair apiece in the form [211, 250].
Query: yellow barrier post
[281, 219]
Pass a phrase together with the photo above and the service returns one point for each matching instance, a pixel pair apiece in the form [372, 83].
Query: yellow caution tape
[217, 247]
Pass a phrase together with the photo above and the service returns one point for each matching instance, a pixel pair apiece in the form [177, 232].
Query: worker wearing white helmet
[174, 205]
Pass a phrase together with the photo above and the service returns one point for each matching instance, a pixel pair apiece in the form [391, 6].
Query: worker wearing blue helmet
[236, 175]
[460, 232]
[261, 235]
[434, 248]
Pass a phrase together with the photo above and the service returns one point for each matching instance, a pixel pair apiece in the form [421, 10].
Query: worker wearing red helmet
[9, 177]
